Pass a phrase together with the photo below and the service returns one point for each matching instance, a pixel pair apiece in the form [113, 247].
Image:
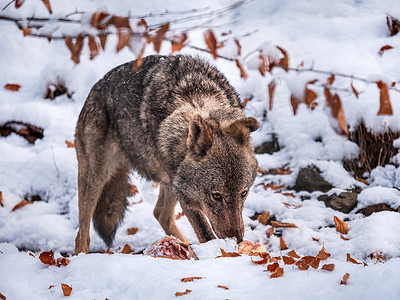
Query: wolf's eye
[217, 196]
[243, 194]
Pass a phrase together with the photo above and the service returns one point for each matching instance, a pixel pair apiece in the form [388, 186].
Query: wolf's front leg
[165, 212]
[199, 223]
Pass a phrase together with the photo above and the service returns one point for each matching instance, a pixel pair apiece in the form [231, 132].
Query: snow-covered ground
[337, 36]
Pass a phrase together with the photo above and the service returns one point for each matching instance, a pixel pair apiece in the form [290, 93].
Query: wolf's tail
[110, 208]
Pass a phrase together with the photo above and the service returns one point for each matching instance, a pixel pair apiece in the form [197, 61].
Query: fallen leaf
[211, 42]
[328, 267]
[137, 202]
[124, 37]
[330, 79]
[127, 249]
[177, 294]
[273, 186]
[278, 224]
[334, 102]
[260, 170]
[107, 251]
[22, 204]
[18, 3]
[189, 279]
[384, 48]
[132, 230]
[223, 287]
[288, 260]
[385, 107]
[249, 248]
[1, 199]
[306, 262]
[272, 267]
[310, 97]
[282, 243]
[178, 42]
[262, 67]
[243, 73]
[362, 180]
[345, 277]
[283, 62]
[62, 261]
[179, 215]
[270, 232]
[344, 238]
[51, 286]
[47, 258]
[2, 297]
[294, 101]
[26, 31]
[283, 172]
[69, 144]
[228, 254]
[239, 47]
[75, 48]
[48, 6]
[354, 90]
[271, 93]
[133, 190]
[352, 260]
[66, 289]
[265, 257]
[277, 273]
[263, 218]
[12, 87]
[293, 254]
[103, 40]
[340, 225]
[315, 239]
[323, 254]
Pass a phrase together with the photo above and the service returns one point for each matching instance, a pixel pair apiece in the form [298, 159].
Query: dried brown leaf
[385, 105]
[12, 87]
[189, 279]
[328, 267]
[69, 144]
[228, 254]
[139, 59]
[66, 289]
[179, 215]
[75, 48]
[340, 225]
[103, 40]
[47, 258]
[354, 90]
[282, 244]
[177, 294]
[245, 101]
[288, 260]
[323, 254]
[133, 190]
[132, 230]
[306, 262]
[273, 267]
[211, 42]
[62, 261]
[284, 62]
[26, 31]
[384, 48]
[330, 79]
[243, 73]
[239, 50]
[262, 67]
[293, 254]
[48, 5]
[283, 172]
[263, 218]
[178, 42]
[265, 257]
[1, 199]
[18, 3]
[277, 224]
[277, 273]
[333, 101]
[223, 287]
[344, 238]
[352, 260]
[127, 249]
[345, 278]
[249, 248]
[362, 180]
[271, 93]
[273, 186]
[159, 37]
[22, 204]
[124, 37]
[294, 101]
[100, 20]
[310, 97]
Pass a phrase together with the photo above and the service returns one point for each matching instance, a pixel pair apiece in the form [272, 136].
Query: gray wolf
[177, 121]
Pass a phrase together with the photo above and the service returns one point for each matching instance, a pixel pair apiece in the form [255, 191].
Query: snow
[340, 36]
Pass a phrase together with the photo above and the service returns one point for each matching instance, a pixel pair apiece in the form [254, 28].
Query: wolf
[177, 121]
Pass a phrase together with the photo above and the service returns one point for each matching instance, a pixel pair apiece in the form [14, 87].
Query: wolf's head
[218, 171]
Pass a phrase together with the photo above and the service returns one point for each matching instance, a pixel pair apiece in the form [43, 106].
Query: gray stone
[369, 210]
[345, 202]
[268, 147]
[309, 179]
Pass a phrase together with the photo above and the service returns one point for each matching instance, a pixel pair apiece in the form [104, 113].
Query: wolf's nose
[239, 239]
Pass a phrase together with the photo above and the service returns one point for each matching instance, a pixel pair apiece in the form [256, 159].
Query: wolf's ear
[200, 135]
[240, 129]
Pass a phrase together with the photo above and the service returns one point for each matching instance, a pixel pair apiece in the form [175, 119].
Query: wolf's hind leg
[165, 212]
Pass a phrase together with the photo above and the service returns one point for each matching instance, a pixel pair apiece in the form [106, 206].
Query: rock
[369, 210]
[309, 179]
[268, 147]
[345, 202]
